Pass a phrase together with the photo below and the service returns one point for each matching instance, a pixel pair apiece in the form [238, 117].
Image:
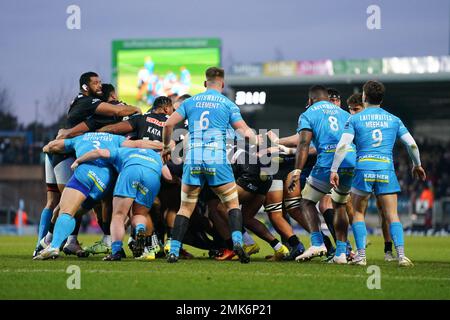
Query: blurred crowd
[16, 151]
[435, 156]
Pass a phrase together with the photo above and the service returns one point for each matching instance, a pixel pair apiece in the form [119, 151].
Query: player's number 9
[204, 121]
[333, 123]
[96, 144]
[377, 136]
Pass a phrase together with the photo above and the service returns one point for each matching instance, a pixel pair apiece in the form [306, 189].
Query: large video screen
[146, 69]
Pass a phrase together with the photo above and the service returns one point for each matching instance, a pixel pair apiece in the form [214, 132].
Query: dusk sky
[39, 55]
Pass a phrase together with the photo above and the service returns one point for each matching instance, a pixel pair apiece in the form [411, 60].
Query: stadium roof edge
[234, 80]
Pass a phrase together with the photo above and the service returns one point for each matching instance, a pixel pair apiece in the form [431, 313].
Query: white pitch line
[299, 275]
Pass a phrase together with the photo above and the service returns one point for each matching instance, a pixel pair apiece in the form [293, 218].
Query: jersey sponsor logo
[139, 187]
[375, 117]
[155, 121]
[213, 145]
[202, 170]
[95, 100]
[209, 97]
[374, 158]
[97, 181]
[376, 177]
[140, 156]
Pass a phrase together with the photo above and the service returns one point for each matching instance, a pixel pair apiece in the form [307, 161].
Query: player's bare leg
[189, 198]
[228, 195]
[71, 200]
[121, 207]
[360, 202]
[275, 211]
[388, 254]
[141, 216]
[326, 208]
[389, 205]
[45, 222]
[251, 203]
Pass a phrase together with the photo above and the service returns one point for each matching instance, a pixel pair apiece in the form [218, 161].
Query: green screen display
[146, 69]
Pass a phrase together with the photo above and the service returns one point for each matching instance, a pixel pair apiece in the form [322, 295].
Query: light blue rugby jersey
[326, 121]
[375, 132]
[124, 157]
[91, 141]
[209, 115]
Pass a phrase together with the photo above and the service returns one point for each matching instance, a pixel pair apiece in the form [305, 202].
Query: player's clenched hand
[272, 136]
[165, 154]
[138, 110]
[419, 173]
[334, 179]
[293, 180]
[74, 165]
[62, 134]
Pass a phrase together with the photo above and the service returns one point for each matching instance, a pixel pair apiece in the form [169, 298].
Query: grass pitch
[202, 278]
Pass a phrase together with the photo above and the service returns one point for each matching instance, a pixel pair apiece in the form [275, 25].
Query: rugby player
[323, 122]
[57, 167]
[209, 114]
[136, 188]
[102, 210]
[356, 105]
[89, 181]
[374, 132]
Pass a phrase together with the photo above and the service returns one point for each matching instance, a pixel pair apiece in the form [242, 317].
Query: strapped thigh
[227, 195]
[292, 203]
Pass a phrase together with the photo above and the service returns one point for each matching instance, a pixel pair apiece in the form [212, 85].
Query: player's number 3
[377, 136]
[96, 144]
[204, 121]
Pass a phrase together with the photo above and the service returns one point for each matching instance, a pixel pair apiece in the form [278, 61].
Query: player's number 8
[204, 121]
[377, 136]
[333, 123]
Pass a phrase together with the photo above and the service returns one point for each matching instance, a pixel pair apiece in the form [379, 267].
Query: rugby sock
[316, 239]
[106, 240]
[106, 227]
[235, 221]
[72, 238]
[236, 236]
[169, 232]
[77, 225]
[275, 244]
[396, 230]
[229, 243]
[180, 227]
[44, 224]
[293, 241]
[116, 247]
[175, 247]
[63, 228]
[247, 238]
[360, 234]
[328, 216]
[388, 246]
[349, 247]
[327, 242]
[49, 235]
[341, 247]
